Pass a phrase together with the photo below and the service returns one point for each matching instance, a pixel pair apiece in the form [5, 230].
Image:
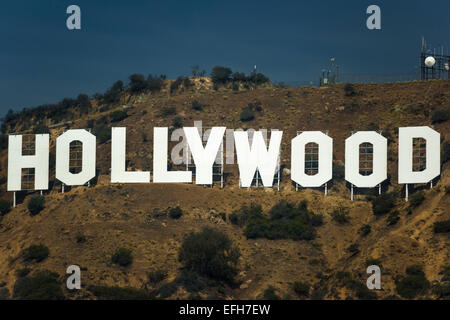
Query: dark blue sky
[42, 62]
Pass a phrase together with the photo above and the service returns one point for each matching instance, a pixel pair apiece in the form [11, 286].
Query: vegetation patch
[413, 284]
[442, 226]
[36, 204]
[175, 213]
[123, 257]
[42, 286]
[5, 207]
[284, 221]
[210, 253]
[35, 253]
[301, 288]
[416, 199]
[383, 203]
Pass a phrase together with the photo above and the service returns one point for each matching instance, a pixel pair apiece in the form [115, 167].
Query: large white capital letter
[204, 157]
[63, 157]
[325, 160]
[17, 162]
[405, 155]
[257, 157]
[160, 173]
[379, 162]
[118, 152]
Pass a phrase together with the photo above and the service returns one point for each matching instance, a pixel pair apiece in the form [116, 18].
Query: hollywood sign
[251, 158]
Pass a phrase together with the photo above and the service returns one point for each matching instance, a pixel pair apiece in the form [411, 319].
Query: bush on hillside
[416, 199]
[383, 203]
[137, 83]
[5, 207]
[446, 152]
[168, 111]
[36, 204]
[123, 257]
[118, 115]
[156, 276]
[35, 253]
[175, 213]
[349, 90]
[210, 253]
[220, 74]
[42, 286]
[284, 221]
[413, 284]
[197, 105]
[247, 114]
[301, 288]
[439, 116]
[442, 226]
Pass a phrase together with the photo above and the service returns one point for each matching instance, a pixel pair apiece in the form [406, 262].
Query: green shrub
[104, 134]
[439, 116]
[36, 204]
[416, 199]
[446, 152]
[36, 253]
[442, 226]
[23, 272]
[247, 114]
[349, 90]
[285, 221]
[122, 257]
[118, 115]
[353, 249]
[413, 284]
[175, 213]
[245, 214]
[270, 294]
[220, 74]
[117, 293]
[341, 215]
[384, 203]
[301, 288]
[191, 281]
[4, 294]
[197, 105]
[210, 253]
[364, 293]
[177, 122]
[365, 230]
[5, 207]
[156, 276]
[137, 83]
[167, 290]
[393, 218]
[168, 111]
[42, 286]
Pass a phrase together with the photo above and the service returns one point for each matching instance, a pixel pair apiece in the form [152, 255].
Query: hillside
[85, 225]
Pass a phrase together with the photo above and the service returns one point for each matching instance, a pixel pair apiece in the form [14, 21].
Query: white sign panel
[405, 155]
[160, 173]
[204, 157]
[118, 152]
[63, 157]
[379, 162]
[325, 168]
[257, 156]
[17, 162]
